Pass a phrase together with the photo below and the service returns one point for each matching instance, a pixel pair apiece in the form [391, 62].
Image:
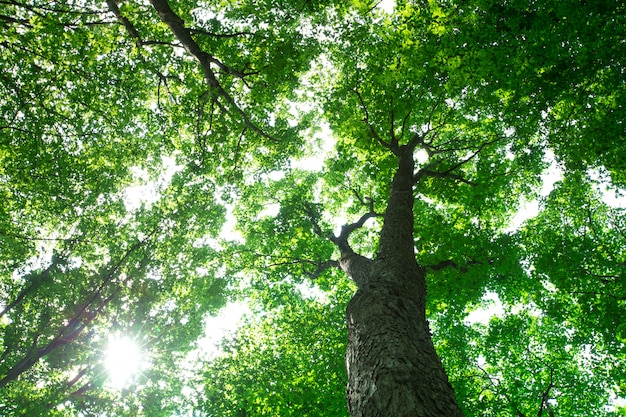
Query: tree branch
[480, 148]
[353, 264]
[393, 146]
[54, 9]
[130, 28]
[80, 320]
[9, 19]
[496, 388]
[442, 119]
[220, 35]
[365, 201]
[313, 216]
[404, 120]
[546, 396]
[320, 266]
[392, 117]
[183, 34]
[78, 376]
[449, 263]
[346, 230]
[446, 174]
[36, 281]
[416, 141]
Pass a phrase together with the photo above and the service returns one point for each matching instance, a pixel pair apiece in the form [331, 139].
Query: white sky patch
[616, 402]
[492, 306]
[315, 161]
[271, 210]
[216, 328]
[611, 195]
[147, 191]
[421, 156]
[309, 290]
[387, 6]
[275, 175]
[339, 222]
[228, 231]
[529, 209]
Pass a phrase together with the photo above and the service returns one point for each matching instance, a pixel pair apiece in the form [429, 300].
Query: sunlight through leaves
[123, 361]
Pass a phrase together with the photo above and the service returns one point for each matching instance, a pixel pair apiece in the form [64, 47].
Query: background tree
[99, 237]
[458, 103]
[289, 361]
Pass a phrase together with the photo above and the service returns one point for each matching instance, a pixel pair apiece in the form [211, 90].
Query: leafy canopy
[133, 135]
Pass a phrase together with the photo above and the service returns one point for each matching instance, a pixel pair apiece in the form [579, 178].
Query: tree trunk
[393, 369]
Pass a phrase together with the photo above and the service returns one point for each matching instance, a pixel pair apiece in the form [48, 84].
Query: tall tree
[441, 115]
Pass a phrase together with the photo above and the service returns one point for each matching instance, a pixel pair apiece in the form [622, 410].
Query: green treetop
[371, 161]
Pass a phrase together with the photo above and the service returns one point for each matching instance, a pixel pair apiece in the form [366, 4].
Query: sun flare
[123, 360]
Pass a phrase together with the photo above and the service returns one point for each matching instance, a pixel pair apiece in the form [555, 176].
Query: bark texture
[393, 368]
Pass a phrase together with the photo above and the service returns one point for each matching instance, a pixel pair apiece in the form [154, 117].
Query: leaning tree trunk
[393, 369]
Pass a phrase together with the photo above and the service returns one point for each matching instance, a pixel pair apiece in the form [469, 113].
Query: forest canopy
[162, 160]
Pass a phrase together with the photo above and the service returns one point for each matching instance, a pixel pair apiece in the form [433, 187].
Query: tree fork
[393, 368]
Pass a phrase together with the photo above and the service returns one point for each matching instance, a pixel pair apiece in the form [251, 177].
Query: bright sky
[530, 209]
[216, 328]
[387, 5]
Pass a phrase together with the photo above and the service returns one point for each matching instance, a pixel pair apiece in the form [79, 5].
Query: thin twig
[371, 128]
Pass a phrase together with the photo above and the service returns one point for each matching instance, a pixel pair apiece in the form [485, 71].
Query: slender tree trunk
[393, 369]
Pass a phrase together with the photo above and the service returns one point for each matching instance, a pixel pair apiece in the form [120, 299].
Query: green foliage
[123, 164]
[581, 262]
[288, 361]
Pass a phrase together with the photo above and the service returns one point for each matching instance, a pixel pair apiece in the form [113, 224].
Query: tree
[293, 356]
[441, 114]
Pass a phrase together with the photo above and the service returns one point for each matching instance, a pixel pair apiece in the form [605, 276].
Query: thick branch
[82, 390]
[76, 378]
[321, 267]
[183, 34]
[130, 28]
[545, 397]
[346, 230]
[446, 174]
[416, 141]
[341, 241]
[353, 264]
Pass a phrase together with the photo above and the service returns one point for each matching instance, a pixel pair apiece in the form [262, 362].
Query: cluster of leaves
[285, 361]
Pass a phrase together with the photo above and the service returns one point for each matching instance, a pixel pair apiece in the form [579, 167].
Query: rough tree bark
[393, 368]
